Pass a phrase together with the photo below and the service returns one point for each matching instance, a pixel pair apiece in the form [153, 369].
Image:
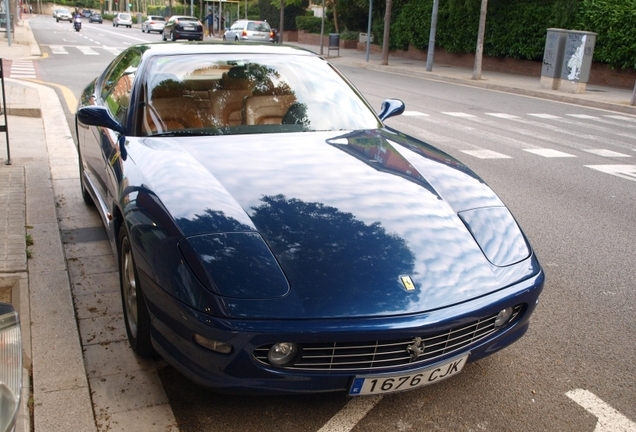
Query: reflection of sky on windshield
[447, 257]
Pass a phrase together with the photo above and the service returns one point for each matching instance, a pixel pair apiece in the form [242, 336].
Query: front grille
[377, 355]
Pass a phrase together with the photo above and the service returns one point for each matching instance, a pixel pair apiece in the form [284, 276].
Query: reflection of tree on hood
[327, 246]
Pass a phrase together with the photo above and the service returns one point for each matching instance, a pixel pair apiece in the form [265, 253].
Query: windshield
[218, 94]
[124, 16]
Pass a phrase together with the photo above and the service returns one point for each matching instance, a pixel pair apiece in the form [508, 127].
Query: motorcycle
[77, 24]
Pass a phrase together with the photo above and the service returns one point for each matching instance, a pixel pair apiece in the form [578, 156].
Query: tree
[385, 39]
[479, 53]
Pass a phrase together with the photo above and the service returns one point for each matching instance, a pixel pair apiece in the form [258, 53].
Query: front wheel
[136, 315]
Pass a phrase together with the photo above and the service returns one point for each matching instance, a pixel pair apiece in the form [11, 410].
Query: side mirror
[96, 115]
[10, 366]
[391, 108]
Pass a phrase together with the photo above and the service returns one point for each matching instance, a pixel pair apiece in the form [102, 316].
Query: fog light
[503, 316]
[220, 347]
[282, 353]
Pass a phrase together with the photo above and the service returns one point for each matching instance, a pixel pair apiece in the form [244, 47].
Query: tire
[88, 199]
[143, 31]
[173, 38]
[224, 38]
[136, 315]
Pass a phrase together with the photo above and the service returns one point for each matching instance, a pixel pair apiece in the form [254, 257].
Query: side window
[117, 86]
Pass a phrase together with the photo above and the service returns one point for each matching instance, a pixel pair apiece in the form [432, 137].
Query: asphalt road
[568, 173]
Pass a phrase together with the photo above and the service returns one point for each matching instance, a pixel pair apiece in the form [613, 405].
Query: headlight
[10, 366]
[497, 234]
[282, 353]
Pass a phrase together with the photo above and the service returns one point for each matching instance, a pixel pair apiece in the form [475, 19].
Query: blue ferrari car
[274, 236]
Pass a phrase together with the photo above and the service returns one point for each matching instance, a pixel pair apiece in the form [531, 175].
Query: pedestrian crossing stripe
[549, 153]
[486, 154]
[22, 69]
[582, 116]
[87, 51]
[623, 171]
[58, 49]
[414, 114]
[459, 114]
[545, 116]
[606, 153]
[620, 117]
[503, 115]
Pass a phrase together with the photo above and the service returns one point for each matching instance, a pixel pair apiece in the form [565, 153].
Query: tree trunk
[335, 16]
[282, 21]
[387, 27]
[479, 52]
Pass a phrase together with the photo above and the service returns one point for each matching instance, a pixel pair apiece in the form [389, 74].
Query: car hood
[358, 224]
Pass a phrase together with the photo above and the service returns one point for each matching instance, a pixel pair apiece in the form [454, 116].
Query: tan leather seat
[266, 109]
[226, 103]
[171, 108]
[226, 106]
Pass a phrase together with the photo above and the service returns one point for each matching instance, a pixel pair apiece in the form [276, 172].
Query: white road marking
[582, 116]
[549, 153]
[609, 420]
[413, 114]
[606, 153]
[112, 50]
[545, 116]
[627, 172]
[87, 50]
[349, 416]
[22, 69]
[486, 154]
[620, 117]
[58, 49]
[503, 115]
[459, 114]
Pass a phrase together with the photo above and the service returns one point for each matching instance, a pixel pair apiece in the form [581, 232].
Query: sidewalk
[32, 191]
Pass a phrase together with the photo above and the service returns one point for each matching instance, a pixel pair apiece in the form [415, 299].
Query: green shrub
[613, 21]
[310, 24]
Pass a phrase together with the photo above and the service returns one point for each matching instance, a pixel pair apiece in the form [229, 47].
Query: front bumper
[174, 325]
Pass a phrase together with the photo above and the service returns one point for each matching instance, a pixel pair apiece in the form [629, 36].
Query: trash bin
[553, 58]
[577, 61]
[334, 43]
[3, 19]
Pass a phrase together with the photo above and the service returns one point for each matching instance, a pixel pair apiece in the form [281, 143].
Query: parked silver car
[248, 30]
[122, 19]
[153, 23]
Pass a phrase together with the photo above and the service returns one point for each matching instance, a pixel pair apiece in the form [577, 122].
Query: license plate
[382, 384]
[188, 28]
